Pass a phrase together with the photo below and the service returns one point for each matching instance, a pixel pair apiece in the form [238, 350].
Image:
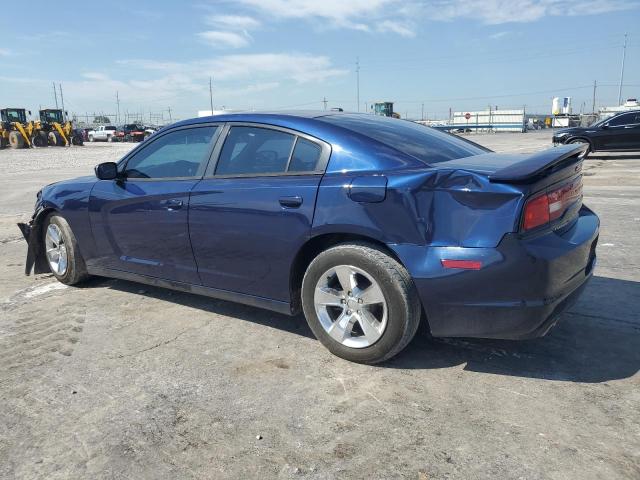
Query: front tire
[62, 252]
[16, 140]
[360, 303]
[582, 140]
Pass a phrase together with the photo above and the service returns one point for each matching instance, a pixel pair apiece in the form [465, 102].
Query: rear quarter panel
[422, 207]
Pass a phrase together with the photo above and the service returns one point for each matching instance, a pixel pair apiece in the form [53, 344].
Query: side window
[182, 153]
[254, 150]
[305, 156]
[627, 119]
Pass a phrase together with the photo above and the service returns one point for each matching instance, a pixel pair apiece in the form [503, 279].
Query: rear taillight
[550, 206]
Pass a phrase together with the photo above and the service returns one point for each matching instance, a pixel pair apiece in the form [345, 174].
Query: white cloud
[336, 10]
[351, 14]
[395, 27]
[233, 22]
[236, 77]
[5, 52]
[494, 12]
[301, 68]
[398, 16]
[220, 39]
[498, 35]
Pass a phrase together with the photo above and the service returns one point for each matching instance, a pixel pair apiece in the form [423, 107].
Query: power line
[211, 93]
[624, 53]
[358, 82]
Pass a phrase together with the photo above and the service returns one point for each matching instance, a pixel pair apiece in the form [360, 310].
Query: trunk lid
[553, 164]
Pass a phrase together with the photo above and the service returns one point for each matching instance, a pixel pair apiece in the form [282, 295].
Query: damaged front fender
[32, 232]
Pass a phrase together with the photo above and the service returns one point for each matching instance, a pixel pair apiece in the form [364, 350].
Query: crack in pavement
[160, 344]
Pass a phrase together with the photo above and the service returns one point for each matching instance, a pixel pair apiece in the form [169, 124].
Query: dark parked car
[618, 133]
[130, 133]
[367, 224]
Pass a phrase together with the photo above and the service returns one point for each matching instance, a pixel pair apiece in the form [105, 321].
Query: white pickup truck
[102, 133]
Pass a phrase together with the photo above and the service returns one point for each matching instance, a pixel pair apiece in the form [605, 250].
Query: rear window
[423, 143]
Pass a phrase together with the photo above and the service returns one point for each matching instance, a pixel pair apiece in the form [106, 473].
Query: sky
[427, 56]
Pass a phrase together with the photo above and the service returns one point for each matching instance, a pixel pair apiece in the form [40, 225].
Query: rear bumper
[520, 291]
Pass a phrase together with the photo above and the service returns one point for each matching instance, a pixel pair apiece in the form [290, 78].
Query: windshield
[15, 115]
[51, 116]
[423, 143]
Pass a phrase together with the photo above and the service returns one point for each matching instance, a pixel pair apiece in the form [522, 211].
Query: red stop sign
[467, 115]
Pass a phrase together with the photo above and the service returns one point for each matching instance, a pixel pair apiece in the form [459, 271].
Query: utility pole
[593, 105]
[358, 82]
[64, 114]
[422, 115]
[624, 54]
[118, 107]
[55, 94]
[324, 101]
[211, 93]
[170, 120]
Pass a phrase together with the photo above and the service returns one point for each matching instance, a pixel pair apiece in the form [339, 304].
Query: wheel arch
[580, 137]
[317, 244]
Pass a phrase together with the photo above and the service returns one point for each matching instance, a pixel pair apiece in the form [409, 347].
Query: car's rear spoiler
[540, 164]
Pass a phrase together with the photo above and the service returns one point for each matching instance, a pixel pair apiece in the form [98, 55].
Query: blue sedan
[369, 225]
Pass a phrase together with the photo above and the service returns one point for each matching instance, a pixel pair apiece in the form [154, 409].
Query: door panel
[141, 227]
[246, 231]
[623, 132]
[140, 220]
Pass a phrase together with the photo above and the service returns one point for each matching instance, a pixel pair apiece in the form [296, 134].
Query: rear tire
[393, 309]
[77, 140]
[16, 140]
[91, 138]
[62, 252]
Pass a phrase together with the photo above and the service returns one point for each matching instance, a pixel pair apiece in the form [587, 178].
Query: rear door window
[255, 151]
[627, 119]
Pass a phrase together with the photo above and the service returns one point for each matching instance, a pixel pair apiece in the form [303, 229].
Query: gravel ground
[116, 380]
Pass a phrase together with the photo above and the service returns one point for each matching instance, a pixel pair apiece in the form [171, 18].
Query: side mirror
[107, 171]
[605, 126]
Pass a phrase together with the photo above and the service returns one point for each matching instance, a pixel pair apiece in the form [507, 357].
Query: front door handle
[172, 204]
[291, 202]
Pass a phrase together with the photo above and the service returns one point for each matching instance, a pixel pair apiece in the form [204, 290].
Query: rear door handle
[291, 202]
[172, 204]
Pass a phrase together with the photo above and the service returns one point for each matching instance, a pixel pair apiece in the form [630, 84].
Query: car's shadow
[596, 341]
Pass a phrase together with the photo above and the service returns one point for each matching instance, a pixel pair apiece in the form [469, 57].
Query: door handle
[172, 204]
[291, 202]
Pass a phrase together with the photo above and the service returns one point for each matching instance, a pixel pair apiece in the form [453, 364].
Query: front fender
[36, 259]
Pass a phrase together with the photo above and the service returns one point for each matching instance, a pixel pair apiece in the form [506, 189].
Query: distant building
[630, 104]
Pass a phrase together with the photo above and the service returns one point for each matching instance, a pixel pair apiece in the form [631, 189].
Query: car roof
[268, 117]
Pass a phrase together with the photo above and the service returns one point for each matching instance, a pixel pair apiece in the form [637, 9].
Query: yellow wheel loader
[15, 130]
[53, 130]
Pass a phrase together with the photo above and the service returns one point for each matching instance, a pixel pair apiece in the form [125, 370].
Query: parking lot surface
[115, 380]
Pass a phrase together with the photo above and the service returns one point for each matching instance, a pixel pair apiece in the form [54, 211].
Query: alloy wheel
[350, 306]
[56, 250]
